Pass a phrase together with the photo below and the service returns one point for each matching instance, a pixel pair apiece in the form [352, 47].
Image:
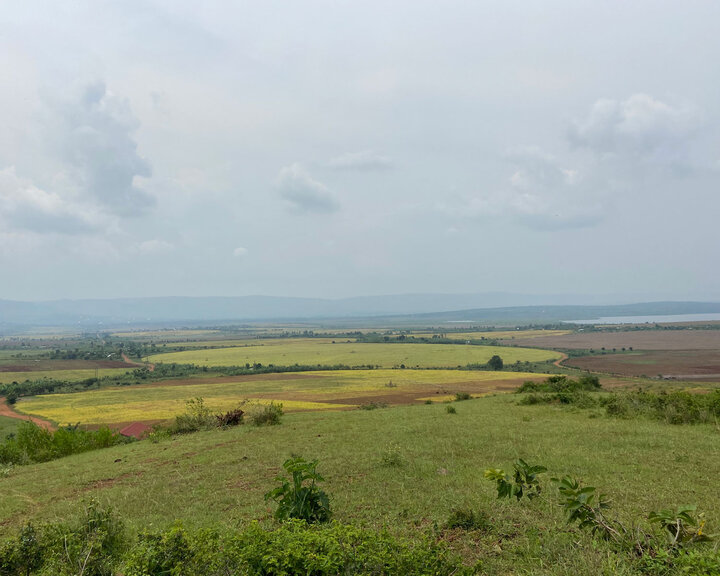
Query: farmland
[679, 364]
[282, 353]
[415, 442]
[219, 477]
[306, 391]
[636, 339]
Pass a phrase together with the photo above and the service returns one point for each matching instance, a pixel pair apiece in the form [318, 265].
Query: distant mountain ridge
[429, 307]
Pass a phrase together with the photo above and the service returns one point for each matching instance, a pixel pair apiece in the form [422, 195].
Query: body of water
[649, 319]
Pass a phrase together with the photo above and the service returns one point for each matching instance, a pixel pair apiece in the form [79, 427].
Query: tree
[495, 363]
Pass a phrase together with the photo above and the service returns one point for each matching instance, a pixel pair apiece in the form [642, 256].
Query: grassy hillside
[221, 476]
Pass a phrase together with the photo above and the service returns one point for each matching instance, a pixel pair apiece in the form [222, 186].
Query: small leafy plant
[524, 481]
[584, 506]
[300, 496]
[681, 526]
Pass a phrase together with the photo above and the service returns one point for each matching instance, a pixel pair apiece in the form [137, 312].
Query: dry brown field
[678, 364]
[638, 340]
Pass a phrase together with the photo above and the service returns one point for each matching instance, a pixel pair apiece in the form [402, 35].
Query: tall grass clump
[31, 443]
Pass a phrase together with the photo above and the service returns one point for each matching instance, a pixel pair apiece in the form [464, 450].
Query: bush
[561, 383]
[462, 396]
[300, 497]
[450, 409]
[230, 418]
[197, 417]
[92, 545]
[31, 443]
[292, 548]
[266, 414]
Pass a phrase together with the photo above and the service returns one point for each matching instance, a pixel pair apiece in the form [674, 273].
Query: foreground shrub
[292, 548]
[300, 497]
[266, 414]
[96, 545]
[560, 383]
[196, 417]
[674, 408]
[31, 443]
[92, 545]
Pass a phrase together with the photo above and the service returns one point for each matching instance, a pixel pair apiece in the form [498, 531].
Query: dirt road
[7, 411]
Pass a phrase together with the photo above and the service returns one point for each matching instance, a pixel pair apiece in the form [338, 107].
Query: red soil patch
[7, 411]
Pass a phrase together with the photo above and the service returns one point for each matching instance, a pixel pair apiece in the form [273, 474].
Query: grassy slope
[354, 354]
[220, 476]
[7, 426]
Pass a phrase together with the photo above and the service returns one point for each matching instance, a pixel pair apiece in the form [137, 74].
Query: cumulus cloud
[304, 193]
[638, 127]
[24, 206]
[540, 193]
[94, 139]
[364, 161]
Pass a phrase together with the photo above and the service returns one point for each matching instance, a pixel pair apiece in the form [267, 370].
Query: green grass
[287, 353]
[221, 476]
[68, 375]
[7, 426]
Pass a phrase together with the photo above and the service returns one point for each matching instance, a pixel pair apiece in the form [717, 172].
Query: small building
[136, 430]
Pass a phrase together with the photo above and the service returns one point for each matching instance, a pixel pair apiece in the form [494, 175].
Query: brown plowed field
[679, 364]
[638, 340]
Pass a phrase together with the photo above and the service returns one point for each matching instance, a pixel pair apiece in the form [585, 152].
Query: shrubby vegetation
[677, 407]
[31, 443]
[97, 544]
[668, 544]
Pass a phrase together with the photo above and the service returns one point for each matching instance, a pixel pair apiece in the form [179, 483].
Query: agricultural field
[495, 334]
[327, 390]
[423, 461]
[677, 364]
[283, 353]
[635, 339]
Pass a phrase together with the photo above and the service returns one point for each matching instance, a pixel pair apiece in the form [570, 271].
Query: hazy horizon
[334, 150]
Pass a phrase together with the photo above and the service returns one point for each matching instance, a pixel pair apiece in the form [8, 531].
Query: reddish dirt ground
[637, 339]
[678, 364]
[7, 411]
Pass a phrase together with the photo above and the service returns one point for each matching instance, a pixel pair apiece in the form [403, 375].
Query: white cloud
[304, 193]
[638, 127]
[365, 161]
[240, 251]
[540, 193]
[24, 206]
[93, 138]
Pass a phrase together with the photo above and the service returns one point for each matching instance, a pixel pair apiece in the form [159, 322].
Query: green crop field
[68, 375]
[306, 391]
[286, 353]
[218, 478]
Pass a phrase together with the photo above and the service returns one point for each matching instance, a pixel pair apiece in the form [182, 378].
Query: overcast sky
[335, 148]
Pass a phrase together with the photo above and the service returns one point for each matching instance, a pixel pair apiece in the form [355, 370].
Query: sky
[336, 148]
